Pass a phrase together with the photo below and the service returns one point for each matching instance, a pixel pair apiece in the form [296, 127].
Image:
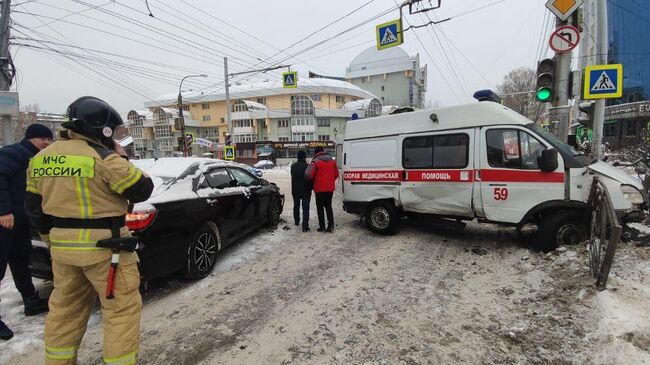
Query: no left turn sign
[564, 39]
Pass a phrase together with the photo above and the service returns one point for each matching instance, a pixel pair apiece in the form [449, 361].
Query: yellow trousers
[75, 291]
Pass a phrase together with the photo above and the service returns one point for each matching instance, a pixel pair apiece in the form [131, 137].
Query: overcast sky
[483, 40]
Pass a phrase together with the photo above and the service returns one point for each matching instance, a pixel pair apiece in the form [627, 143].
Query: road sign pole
[7, 129]
[599, 107]
[561, 86]
[227, 84]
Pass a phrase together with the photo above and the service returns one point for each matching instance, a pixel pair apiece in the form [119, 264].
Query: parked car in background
[198, 207]
[253, 170]
[264, 164]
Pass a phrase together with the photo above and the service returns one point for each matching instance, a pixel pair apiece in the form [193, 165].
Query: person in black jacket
[15, 233]
[301, 191]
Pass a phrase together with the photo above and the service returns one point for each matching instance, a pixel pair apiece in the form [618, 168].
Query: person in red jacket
[322, 170]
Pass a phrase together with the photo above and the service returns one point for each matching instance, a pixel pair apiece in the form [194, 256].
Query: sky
[113, 49]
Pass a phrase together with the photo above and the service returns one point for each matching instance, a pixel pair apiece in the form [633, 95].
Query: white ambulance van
[476, 161]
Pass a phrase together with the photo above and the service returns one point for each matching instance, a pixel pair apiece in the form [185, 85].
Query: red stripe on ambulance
[384, 175]
[495, 175]
[439, 175]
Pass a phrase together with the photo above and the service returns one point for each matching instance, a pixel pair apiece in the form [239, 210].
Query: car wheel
[275, 209]
[202, 252]
[563, 228]
[382, 217]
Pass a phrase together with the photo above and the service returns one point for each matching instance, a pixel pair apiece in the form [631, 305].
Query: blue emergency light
[487, 95]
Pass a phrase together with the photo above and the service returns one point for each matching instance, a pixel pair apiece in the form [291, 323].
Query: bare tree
[518, 93]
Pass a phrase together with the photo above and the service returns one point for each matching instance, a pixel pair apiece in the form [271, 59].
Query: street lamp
[180, 112]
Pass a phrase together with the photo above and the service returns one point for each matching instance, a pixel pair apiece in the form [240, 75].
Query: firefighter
[79, 190]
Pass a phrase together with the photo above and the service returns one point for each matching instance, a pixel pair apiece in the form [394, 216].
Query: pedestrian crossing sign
[290, 79]
[603, 82]
[229, 152]
[389, 34]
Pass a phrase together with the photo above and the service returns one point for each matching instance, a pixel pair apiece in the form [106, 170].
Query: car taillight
[140, 219]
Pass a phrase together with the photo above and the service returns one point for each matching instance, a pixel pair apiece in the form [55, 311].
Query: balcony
[243, 130]
[303, 129]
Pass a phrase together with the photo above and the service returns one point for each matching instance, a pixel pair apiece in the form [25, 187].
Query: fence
[604, 233]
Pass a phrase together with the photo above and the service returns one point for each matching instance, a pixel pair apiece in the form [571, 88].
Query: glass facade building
[629, 29]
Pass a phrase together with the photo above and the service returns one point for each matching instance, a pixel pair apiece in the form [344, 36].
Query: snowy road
[423, 296]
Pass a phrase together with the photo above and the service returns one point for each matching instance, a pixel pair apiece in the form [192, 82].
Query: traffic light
[228, 139]
[545, 76]
[587, 107]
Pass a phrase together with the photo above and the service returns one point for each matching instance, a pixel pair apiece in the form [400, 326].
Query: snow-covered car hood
[612, 172]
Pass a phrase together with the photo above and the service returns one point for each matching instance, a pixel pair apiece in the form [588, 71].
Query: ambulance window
[513, 149]
[441, 151]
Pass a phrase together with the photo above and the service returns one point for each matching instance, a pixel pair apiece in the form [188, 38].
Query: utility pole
[599, 106]
[227, 83]
[5, 79]
[561, 87]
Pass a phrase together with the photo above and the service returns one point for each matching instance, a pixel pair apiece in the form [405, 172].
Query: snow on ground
[423, 296]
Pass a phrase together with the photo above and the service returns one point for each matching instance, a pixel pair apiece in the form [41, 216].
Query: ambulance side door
[438, 173]
[510, 179]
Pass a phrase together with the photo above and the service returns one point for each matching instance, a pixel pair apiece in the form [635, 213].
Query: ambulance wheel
[382, 217]
[566, 227]
[202, 252]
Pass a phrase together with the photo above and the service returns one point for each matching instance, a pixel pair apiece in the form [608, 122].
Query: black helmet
[92, 117]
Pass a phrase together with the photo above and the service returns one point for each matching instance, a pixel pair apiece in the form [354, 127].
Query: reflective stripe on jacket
[76, 177]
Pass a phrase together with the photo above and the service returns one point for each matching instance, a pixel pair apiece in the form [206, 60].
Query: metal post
[561, 87]
[182, 120]
[599, 106]
[5, 82]
[227, 84]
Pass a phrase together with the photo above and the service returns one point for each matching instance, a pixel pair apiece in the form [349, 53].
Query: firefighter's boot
[5, 332]
[35, 305]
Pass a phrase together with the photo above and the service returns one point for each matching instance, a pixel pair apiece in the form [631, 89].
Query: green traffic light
[544, 94]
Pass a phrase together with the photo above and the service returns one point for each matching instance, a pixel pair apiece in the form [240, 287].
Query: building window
[315, 97]
[205, 106]
[382, 87]
[261, 100]
[242, 123]
[323, 137]
[283, 139]
[302, 136]
[206, 118]
[610, 130]
[340, 99]
[296, 121]
[323, 122]
[283, 123]
[301, 105]
[211, 133]
[223, 120]
[239, 106]
[242, 138]
[630, 128]
[186, 107]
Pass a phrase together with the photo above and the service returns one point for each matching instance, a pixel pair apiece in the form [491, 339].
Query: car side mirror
[547, 162]
[264, 182]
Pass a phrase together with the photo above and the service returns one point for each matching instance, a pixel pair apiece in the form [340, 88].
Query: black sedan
[198, 207]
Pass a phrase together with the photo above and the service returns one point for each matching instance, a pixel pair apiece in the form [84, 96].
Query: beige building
[268, 121]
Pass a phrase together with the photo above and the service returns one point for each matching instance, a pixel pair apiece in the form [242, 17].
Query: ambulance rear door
[510, 179]
[438, 172]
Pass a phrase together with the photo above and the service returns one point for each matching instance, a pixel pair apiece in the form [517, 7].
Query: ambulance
[480, 161]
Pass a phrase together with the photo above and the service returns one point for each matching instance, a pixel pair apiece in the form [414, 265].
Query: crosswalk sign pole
[599, 107]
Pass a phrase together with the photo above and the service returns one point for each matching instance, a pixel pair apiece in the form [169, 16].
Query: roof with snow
[373, 62]
[266, 88]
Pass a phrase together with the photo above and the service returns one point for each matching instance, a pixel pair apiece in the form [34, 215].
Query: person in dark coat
[301, 191]
[323, 171]
[15, 233]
